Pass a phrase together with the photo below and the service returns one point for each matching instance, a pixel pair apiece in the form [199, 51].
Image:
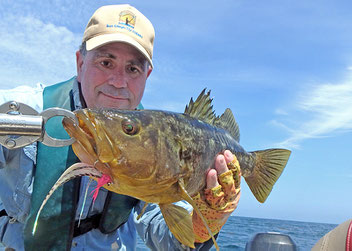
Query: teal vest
[56, 222]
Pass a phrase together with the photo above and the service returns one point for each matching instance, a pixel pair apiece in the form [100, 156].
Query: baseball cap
[120, 23]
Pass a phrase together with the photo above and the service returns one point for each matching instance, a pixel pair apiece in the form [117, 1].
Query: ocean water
[239, 230]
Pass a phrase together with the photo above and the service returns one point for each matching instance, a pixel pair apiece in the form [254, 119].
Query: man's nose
[118, 79]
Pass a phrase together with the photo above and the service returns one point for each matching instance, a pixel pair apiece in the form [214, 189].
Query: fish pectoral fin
[189, 199]
[179, 222]
[269, 165]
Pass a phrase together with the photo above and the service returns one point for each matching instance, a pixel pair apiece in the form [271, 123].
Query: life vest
[57, 219]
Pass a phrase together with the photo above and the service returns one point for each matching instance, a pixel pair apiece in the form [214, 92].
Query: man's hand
[220, 198]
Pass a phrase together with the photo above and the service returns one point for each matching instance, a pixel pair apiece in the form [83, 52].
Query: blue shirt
[16, 184]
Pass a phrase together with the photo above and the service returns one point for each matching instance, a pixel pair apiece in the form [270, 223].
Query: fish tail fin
[179, 222]
[269, 165]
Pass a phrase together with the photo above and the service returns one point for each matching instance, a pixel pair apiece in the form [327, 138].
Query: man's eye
[105, 63]
[133, 69]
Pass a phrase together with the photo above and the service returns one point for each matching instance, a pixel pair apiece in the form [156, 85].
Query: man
[113, 64]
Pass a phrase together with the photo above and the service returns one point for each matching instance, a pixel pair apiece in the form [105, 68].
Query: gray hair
[83, 48]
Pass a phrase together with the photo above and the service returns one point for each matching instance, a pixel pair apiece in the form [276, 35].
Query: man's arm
[15, 189]
[153, 230]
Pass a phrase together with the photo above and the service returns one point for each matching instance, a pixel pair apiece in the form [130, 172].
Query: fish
[163, 157]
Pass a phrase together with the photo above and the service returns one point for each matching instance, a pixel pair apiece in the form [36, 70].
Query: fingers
[220, 168]
[222, 181]
[225, 175]
[221, 162]
[228, 186]
[215, 198]
[234, 166]
[224, 196]
[212, 179]
[229, 157]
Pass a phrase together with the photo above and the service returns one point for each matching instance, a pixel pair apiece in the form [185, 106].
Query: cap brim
[101, 40]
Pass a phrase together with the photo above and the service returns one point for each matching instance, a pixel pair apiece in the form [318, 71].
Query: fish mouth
[85, 144]
[93, 145]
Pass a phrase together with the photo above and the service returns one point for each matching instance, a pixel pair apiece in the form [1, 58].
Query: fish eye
[129, 127]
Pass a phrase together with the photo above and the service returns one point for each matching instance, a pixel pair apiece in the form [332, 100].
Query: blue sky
[283, 67]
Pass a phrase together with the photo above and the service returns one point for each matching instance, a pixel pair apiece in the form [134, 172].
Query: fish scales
[194, 139]
[180, 145]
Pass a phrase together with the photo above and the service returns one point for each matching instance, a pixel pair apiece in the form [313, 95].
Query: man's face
[113, 75]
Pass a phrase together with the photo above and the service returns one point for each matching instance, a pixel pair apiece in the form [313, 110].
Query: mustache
[113, 91]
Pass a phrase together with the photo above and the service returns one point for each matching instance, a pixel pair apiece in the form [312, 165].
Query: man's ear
[79, 63]
[150, 69]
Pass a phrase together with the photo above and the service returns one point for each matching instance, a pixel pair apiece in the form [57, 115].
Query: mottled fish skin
[197, 144]
[163, 157]
[168, 146]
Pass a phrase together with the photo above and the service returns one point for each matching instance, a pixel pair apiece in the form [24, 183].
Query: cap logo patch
[127, 22]
[127, 18]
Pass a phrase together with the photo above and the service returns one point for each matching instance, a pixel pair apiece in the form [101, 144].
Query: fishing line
[84, 200]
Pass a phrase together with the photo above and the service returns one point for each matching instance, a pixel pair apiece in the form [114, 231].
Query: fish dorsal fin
[227, 121]
[202, 108]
